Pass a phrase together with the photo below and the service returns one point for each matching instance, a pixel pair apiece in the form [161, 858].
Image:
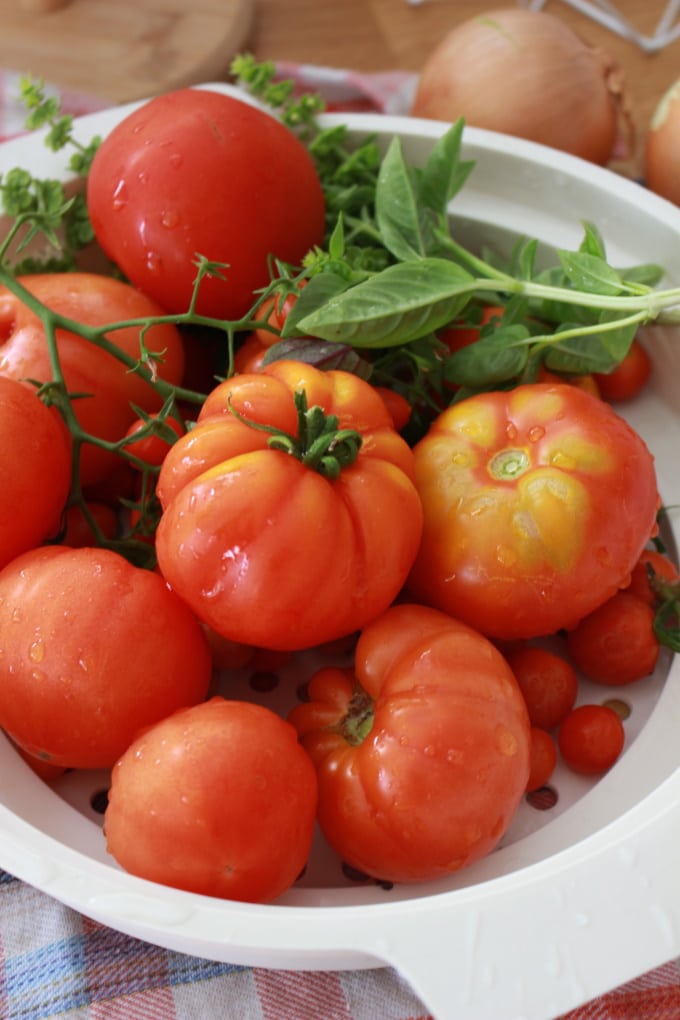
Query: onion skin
[526, 73]
[662, 147]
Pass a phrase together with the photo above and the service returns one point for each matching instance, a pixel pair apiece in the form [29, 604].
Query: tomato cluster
[158, 549]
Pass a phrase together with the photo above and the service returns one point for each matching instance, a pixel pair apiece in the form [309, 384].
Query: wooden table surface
[395, 34]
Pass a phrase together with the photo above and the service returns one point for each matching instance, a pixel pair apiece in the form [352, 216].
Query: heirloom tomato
[93, 649]
[422, 750]
[290, 516]
[35, 469]
[196, 172]
[217, 799]
[537, 504]
[104, 388]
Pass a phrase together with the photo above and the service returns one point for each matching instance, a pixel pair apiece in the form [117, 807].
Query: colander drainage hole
[542, 799]
[99, 800]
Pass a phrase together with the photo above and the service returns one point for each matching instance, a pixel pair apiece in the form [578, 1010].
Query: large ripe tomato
[422, 751]
[106, 387]
[264, 544]
[93, 650]
[217, 799]
[35, 470]
[196, 172]
[537, 502]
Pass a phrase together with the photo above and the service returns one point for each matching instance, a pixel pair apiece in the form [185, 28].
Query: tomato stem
[320, 445]
[357, 722]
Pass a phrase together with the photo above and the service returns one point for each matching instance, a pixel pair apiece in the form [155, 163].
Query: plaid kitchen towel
[55, 963]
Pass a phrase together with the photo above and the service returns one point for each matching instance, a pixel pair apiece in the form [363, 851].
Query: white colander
[584, 892]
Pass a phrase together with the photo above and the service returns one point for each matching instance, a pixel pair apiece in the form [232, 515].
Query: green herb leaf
[444, 173]
[399, 215]
[590, 273]
[405, 301]
[496, 358]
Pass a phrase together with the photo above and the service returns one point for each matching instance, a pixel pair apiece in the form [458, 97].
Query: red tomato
[197, 172]
[218, 799]
[152, 447]
[264, 546]
[522, 494]
[460, 334]
[616, 643]
[106, 386]
[591, 739]
[422, 751]
[629, 377]
[543, 758]
[548, 682]
[35, 470]
[397, 405]
[78, 531]
[661, 567]
[94, 649]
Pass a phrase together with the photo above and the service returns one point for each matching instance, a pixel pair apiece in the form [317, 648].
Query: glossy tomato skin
[218, 799]
[197, 172]
[265, 549]
[35, 470]
[537, 504]
[94, 649]
[428, 778]
[107, 386]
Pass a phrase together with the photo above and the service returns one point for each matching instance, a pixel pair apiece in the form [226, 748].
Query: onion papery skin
[526, 73]
[662, 147]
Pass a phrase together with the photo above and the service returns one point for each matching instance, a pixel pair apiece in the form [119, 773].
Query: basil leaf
[403, 302]
[594, 352]
[321, 354]
[315, 294]
[399, 216]
[590, 273]
[444, 173]
[496, 358]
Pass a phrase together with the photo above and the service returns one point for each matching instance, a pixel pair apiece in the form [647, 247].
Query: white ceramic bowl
[579, 897]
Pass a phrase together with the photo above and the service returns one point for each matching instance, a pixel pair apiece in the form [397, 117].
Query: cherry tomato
[461, 334]
[94, 649]
[542, 759]
[522, 494]
[194, 172]
[616, 643]
[218, 799]
[660, 566]
[397, 405]
[78, 531]
[266, 547]
[629, 377]
[591, 739]
[422, 750]
[583, 382]
[106, 387]
[35, 469]
[152, 447]
[548, 682]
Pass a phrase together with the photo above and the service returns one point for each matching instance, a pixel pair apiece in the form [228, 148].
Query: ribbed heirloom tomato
[290, 516]
[422, 750]
[537, 504]
[196, 172]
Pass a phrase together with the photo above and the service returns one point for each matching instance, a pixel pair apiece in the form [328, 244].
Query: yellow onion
[526, 73]
[662, 147]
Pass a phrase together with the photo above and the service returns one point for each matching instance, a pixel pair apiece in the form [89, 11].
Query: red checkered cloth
[56, 963]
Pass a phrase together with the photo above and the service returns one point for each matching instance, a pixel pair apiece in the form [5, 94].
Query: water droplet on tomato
[169, 218]
[36, 652]
[120, 196]
[511, 430]
[154, 263]
[176, 160]
[536, 433]
[429, 751]
[143, 177]
[38, 675]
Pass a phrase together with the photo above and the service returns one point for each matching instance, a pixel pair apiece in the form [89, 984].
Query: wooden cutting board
[121, 50]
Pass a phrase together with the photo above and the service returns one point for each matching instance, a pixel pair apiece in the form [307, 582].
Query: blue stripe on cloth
[184, 970]
[46, 981]
[6, 878]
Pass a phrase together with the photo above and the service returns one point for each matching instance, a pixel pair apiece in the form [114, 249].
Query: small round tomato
[591, 738]
[543, 758]
[628, 378]
[218, 799]
[651, 565]
[196, 172]
[106, 388]
[547, 681]
[289, 544]
[152, 446]
[35, 469]
[616, 643]
[422, 750]
[522, 492]
[94, 649]
[78, 528]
